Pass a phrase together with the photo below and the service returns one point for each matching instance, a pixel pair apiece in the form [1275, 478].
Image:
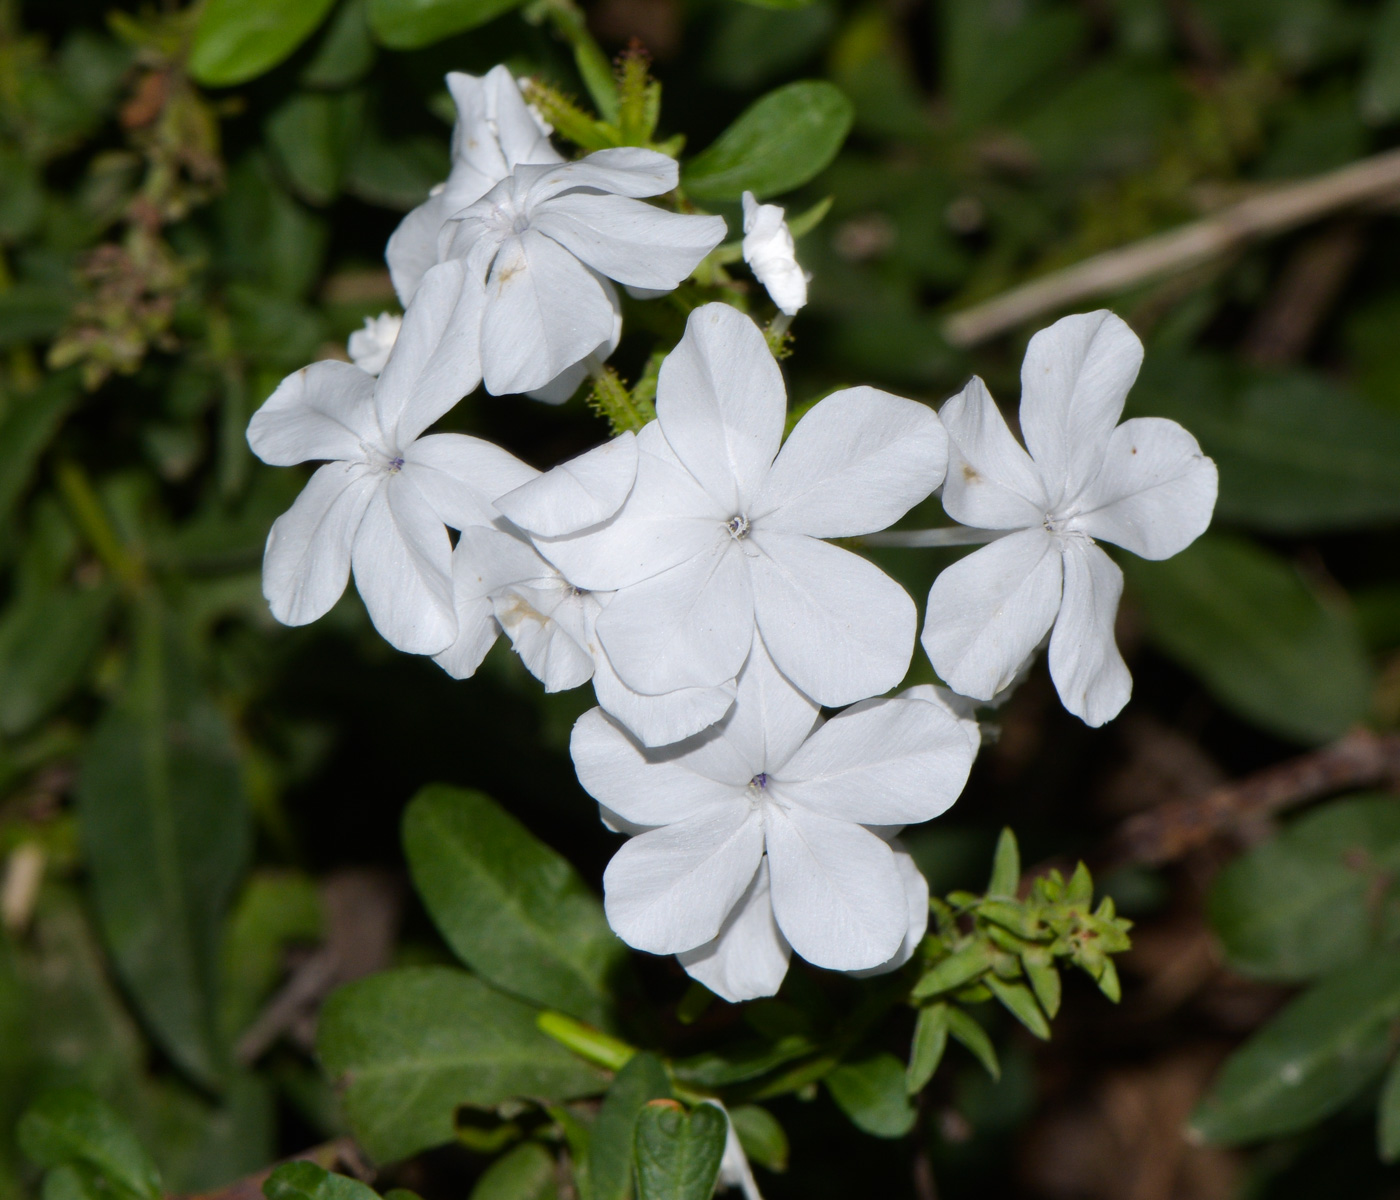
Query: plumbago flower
[769, 250]
[540, 247]
[720, 532]
[386, 495]
[369, 347]
[768, 833]
[1143, 485]
[496, 131]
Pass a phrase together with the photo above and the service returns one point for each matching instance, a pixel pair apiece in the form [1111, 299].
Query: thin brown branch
[1361, 759]
[1266, 214]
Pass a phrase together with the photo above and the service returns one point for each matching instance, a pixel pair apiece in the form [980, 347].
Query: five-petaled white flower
[369, 347]
[1143, 485]
[385, 497]
[771, 799]
[769, 251]
[721, 531]
[496, 131]
[540, 248]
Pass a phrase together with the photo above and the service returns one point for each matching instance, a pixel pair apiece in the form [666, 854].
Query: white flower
[751, 839]
[1144, 485]
[495, 132]
[734, 1169]
[369, 347]
[541, 246]
[385, 496]
[720, 533]
[769, 251]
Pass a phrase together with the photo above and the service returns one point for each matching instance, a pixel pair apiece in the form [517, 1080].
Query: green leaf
[238, 40]
[965, 1029]
[276, 910]
[312, 135]
[29, 426]
[408, 24]
[954, 971]
[346, 51]
[307, 1181]
[1388, 1115]
[926, 1051]
[74, 1127]
[1317, 897]
[1310, 1060]
[395, 173]
[678, 1153]
[412, 1045]
[166, 834]
[1380, 84]
[74, 1183]
[776, 144]
[871, 1092]
[1017, 999]
[1006, 866]
[610, 1146]
[48, 638]
[1244, 620]
[527, 1172]
[511, 908]
[760, 1135]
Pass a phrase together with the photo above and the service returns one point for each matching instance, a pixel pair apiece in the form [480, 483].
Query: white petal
[961, 708]
[668, 519]
[837, 893]
[1154, 494]
[623, 171]
[880, 762]
[669, 890]
[575, 494]
[550, 652]
[646, 787]
[307, 560]
[413, 247]
[659, 720]
[436, 358]
[369, 347]
[916, 894]
[771, 717]
[460, 476]
[1074, 380]
[487, 560]
[325, 411]
[836, 625]
[721, 404]
[544, 312]
[476, 621]
[1088, 671]
[403, 569]
[631, 242]
[690, 626]
[857, 462]
[518, 132]
[768, 249]
[992, 482]
[566, 383]
[987, 612]
[750, 956]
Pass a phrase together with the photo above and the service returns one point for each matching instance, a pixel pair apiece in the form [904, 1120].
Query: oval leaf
[610, 1145]
[778, 143]
[679, 1153]
[74, 1128]
[511, 908]
[408, 24]
[238, 40]
[307, 1181]
[410, 1046]
[871, 1092]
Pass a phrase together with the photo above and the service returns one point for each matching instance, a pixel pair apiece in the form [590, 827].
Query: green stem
[593, 64]
[611, 399]
[87, 511]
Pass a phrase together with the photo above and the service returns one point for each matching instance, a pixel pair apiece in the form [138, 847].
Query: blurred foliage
[194, 201]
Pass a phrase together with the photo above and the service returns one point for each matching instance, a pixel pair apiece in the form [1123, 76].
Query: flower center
[759, 781]
[395, 465]
[738, 527]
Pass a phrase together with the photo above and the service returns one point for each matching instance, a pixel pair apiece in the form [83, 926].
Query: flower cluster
[688, 570]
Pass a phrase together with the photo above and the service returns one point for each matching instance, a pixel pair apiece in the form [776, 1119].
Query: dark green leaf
[1310, 1060]
[926, 1052]
[408, 24]
[1388, 1115]
[1317, 897]
[307, 1181]
[610, 1145]
[525, 1173]
[872, 1093]
[27, 430]
[760, 1135]
[238, 40]
[74, 1183]
[346, 51]
[32, 312]
[395, 173]
[277, 909]
[412, 1045]
[1380, 86]
[776, 144]
[166, 833]
[1245, 621]
[312, 135]
[48, 637]
[678, 1153]
[74, 1127]
[511, 908]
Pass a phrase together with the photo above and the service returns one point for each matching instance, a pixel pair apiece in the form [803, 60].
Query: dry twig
[1272, 212]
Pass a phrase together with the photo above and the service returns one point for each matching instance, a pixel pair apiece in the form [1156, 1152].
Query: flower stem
[592, 63]
[611, 399]
[948, 535]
